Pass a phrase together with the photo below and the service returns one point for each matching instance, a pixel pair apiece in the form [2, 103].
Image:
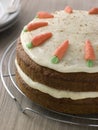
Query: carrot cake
[57, 60]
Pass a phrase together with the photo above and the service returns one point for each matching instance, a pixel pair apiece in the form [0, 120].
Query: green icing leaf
[89, 63]
[55, 60]
[29, 45]
[36, 16]
[25, 30]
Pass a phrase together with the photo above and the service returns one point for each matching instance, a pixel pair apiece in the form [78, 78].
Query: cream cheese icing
[76, 27]
[52, 91]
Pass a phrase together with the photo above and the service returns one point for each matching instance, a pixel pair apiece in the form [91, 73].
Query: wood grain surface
[11, 118]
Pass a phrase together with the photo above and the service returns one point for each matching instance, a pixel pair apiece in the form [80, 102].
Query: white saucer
[8, 25]
[9, 19]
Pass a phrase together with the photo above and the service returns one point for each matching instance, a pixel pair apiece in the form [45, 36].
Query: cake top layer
[76, 28]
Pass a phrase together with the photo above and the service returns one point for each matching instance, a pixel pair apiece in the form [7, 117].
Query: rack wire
[25, 105]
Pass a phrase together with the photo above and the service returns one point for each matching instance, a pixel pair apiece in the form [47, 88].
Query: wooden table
[11, 118]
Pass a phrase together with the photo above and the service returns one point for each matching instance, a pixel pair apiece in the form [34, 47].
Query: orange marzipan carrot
[93, 11]
[60, 51]
[89, 51]
[39, 39]
[68, 9]
[43, 14]
[35, 25]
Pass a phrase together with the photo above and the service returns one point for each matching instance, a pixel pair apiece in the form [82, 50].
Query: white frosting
[77, 28]
[52, 91]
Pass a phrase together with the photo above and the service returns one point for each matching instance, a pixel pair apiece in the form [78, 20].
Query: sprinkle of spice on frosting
[39, 39]
[89, 53]
[59, 52]
[35, 25]
[44, 15]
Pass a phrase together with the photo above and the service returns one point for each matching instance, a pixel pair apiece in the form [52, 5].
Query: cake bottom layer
[65, 105]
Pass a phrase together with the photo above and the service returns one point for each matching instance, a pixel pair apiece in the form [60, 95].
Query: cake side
[62, 81]
[65, 105]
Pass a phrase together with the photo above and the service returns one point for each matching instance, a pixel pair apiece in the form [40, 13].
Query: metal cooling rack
[7, 70]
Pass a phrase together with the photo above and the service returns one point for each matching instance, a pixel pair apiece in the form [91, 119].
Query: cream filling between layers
[54, 92]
